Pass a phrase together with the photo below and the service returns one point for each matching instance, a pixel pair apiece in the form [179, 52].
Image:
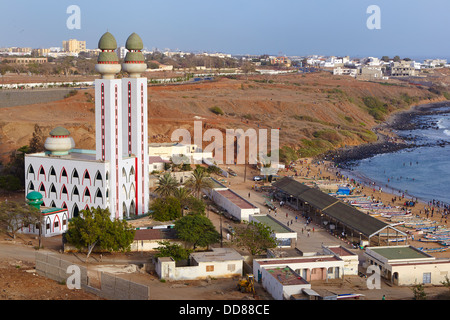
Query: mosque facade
[115, 175]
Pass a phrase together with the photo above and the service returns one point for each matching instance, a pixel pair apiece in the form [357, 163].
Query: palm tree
[199, 180]
[183, 195]
[166, 185]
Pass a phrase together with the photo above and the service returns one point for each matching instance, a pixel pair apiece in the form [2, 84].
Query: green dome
[34, 195]
[134, 57]
[107, 42]
[134, 42]
[107, 57]
[59, 131]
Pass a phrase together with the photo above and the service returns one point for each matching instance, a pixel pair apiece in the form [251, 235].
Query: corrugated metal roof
[332, 207]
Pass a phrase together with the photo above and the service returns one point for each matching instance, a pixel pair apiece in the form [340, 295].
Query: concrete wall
[51, 266]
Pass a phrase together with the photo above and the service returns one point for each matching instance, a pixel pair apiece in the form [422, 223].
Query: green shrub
[216, 110]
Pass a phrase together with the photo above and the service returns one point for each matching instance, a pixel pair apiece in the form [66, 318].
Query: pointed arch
[87, 176]
[124, 174]
[30, 171]
[30, 186]
[75, 211]
[132, 191]
[52, 204]
[56, 223]
[75, 193]
[75, 175]
[86, 194]
[125, 210]
[98, 196]
[52, 192]
[52, 174]
[64, 205]
[64, 192]
[124, 192]
[98, 178]
[63, 174]
[41, 173]
[132, 208]
[42, 189]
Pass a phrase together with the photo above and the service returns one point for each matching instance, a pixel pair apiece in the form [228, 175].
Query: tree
[197, 230]
[37, 141]
[196, 206]
[419, 292]
[255, 237]
[15, 215]
[166, 185]
[173, 250]
[94, 227]
[166, 209]
[183, 194]
[199, 181]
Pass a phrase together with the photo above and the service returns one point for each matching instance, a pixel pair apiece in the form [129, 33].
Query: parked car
[257, 178]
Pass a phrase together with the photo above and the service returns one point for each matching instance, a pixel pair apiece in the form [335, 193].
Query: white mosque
[116, 174]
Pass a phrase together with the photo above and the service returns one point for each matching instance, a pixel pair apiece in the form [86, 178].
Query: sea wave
[447, 132]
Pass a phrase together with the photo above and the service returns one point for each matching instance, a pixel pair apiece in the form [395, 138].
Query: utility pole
[245, 171]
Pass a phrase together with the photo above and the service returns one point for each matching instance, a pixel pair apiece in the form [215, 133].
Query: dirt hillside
[319, 107]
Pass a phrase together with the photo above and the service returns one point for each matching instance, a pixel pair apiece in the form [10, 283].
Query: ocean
[423, 171]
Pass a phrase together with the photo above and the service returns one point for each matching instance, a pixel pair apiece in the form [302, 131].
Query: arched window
[64, 192]
[64, 175]
[86, 195]
[98, 196]
[53, 191]
[30, 172]
[125, 210]
[41, 175]
[30, 186]
[132, 208]
[124, 192]
[52, 204]
[132, 192]
[98, 179]
[75, 193]
[75, 176]
[52, 174]
[86, 177]
[75, 211]
[42, 190]
[124, 174]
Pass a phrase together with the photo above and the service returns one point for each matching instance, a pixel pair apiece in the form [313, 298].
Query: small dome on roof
[34, 195]
[107, 42]
[134, 42]
[59, 131]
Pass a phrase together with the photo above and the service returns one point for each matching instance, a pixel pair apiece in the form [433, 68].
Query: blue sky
[414, 28]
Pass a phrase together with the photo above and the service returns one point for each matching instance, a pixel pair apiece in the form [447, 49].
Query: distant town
[44, 61]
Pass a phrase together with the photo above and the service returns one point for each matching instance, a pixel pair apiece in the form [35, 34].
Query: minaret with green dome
[135, 117]
[108, 63]
[134, 62]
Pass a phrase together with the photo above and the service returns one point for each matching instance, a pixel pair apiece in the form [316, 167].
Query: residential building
[73, 45]
[369, 73]
[402, 69]
[339, 71]
[218, 263]
[25, 60]
[285, 61]
[407, 265]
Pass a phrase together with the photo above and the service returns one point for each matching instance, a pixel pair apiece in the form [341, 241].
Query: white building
[238, 207]
[178, 152]
[407, 265]
[218, 263]
[283, 282]
[115, 175]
